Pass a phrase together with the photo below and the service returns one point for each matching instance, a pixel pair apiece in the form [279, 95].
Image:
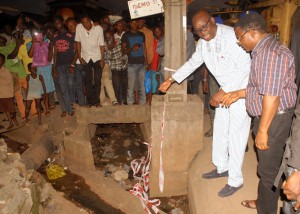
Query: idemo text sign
[141, 8]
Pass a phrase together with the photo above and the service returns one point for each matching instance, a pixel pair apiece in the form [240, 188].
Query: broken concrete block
[120, 175]
[3, 149]
[126, 143]
[177, 211]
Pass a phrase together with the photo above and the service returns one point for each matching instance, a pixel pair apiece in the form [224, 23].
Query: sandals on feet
[27, 120]
[16, 123]
[47, 113]
[35, 114]
[63, 114]
[98, 105]
[115, 103]
[10, 127]
[51, 107]
[251, 204]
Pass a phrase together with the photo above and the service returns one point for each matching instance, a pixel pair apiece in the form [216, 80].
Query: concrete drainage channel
[75, 188]
[114, 146]
[93, 153]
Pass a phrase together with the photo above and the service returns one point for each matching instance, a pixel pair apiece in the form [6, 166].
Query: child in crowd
[41, 58]
[156, 65]
[7, 94]
[36, 87]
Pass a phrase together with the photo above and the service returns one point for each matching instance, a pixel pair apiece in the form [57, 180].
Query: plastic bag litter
[147, 82]
[55, 171]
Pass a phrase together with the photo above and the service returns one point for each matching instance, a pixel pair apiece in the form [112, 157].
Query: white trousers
[230, 137]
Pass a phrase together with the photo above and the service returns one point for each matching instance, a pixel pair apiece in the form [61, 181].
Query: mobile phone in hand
[38, 37]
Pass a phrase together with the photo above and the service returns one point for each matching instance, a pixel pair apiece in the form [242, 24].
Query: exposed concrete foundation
[183, 138]
[35, 156]
[109, 190]
[25, 191]
[79, 157]
[78, 149]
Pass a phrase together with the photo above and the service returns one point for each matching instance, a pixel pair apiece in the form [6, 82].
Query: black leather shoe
[228, 190]
[214, 174]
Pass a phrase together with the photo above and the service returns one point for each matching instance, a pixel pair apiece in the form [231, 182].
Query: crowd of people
[252, 76]
[73, 63]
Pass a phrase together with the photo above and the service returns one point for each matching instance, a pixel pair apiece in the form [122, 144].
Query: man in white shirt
[230, 65]
[90, 49]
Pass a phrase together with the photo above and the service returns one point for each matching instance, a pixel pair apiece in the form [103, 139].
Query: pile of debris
[18, 191]
[26, 191]
[114, 146]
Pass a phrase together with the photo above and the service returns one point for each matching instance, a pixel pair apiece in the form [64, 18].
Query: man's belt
[281, 112]
[285, 111]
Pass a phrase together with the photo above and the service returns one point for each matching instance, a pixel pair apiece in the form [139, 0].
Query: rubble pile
[26, 191]
[18, 192]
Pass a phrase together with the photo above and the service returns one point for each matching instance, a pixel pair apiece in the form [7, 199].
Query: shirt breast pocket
[222, 62]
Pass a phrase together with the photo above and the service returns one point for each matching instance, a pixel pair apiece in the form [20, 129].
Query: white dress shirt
[90, 42]
[224, 58]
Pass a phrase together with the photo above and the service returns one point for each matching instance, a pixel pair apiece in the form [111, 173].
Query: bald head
[200, 15]
[204, 25]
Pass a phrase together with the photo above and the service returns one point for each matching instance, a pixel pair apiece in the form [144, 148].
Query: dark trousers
[59, 96]
[79, 77]
[120, 83]
[269, 162]
[196, 81]
[92, 81]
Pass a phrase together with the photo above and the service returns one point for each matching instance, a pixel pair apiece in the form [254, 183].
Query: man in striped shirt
[270, 99]
[230, 65]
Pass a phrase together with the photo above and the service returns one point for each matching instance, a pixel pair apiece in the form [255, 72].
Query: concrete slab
[109, 190]
[203, 194]
[183, 138]
[79, 152]
[113, 114]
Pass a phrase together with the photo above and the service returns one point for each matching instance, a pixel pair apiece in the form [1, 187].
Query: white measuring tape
[139, 191]
[161, 169]
[169, 69]
[141, 166]
[140, 169]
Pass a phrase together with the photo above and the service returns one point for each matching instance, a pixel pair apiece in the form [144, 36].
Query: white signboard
[140, 8]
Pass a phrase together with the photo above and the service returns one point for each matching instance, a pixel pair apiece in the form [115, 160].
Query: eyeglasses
[239, 39]
[204, 27]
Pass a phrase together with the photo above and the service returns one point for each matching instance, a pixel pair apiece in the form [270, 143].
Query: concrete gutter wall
[35, 155]
[182, 139]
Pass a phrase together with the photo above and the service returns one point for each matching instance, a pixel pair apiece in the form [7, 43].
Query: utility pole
[175, 45]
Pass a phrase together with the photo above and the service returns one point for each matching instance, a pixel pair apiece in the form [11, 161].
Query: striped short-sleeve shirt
[272, 73]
